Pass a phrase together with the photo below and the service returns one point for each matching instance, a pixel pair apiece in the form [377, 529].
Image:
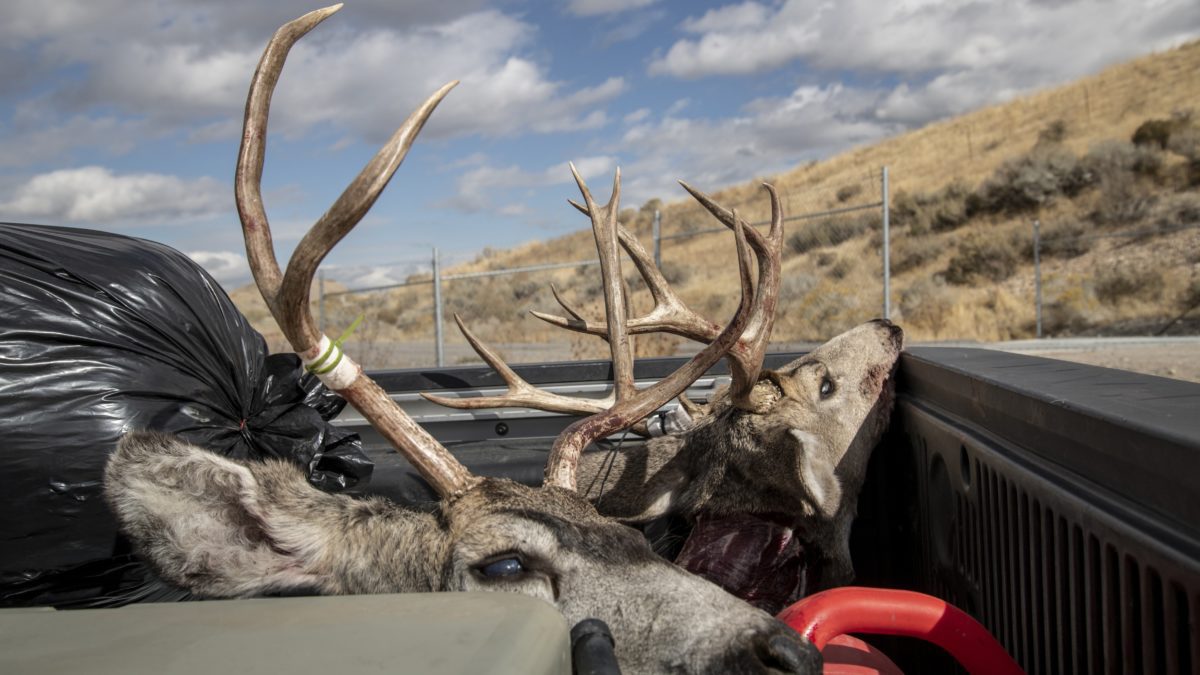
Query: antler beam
[287, 294]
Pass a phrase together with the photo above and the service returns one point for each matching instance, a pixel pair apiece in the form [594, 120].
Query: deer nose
[892, 333]
[782, 650]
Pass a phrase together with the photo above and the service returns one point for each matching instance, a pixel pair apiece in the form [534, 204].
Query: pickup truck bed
[1058, 503]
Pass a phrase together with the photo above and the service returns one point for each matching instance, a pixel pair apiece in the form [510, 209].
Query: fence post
[658, 239]
[1037, 272]
[887, 268]
[437, 310]
[321, 300]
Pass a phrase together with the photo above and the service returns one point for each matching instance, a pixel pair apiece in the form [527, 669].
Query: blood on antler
[287, 293]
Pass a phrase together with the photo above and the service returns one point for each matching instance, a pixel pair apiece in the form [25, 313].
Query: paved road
[1175, 357]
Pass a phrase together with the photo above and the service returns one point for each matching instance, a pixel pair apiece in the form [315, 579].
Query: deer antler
[632, 405]
[520, 393]
[287, 295]
[625, 406]
[671, 315]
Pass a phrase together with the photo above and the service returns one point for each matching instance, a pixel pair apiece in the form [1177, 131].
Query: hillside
[1118, 254]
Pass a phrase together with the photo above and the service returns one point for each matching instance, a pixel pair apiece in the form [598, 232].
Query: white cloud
[477, 186]
[736, 40]
[187, 19]
[630, 26]
[385, 274]
[370, 83]
[678, 106]
[917, 36]
[178, 67]
[769, 136]
[946, 95]
[597, 7]
[374, 276]
[33, 141]
[747, 15]
[636, 116]
[227, 267]
[95, 195]
[590, 168]
[939, 58]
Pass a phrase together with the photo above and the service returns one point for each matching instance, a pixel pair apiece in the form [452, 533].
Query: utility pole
[658, 239]
[437, 310]
[1037, 272]
[887, 267]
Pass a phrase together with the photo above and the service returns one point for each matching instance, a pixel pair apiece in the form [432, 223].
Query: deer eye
[503, 568]
[827, 387]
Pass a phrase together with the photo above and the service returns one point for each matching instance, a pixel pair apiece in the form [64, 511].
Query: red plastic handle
[852, 609]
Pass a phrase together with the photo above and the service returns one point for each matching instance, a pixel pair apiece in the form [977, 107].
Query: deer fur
[226, 529]
[796, 452]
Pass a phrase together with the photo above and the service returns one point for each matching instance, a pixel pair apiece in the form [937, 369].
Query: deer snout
[780, 649]
[892, 333]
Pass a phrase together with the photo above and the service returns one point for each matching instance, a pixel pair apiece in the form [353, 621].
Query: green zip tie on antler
[318, 367]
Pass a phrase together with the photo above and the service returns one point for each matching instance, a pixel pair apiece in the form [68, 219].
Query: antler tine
[564, 456]
[604, 226]
[248, 177]
[520, 392]
[354, 202]
[757, 241]
[669, 315]
[567, 307]
[287, 295]
[746, 363]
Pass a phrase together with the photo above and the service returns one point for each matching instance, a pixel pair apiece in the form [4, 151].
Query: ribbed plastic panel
[1061, 596]
[1071, 575]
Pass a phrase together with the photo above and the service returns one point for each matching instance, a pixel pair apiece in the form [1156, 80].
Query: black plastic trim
[1139, 435]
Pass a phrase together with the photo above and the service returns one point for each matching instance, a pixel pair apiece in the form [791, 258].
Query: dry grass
[832, 282]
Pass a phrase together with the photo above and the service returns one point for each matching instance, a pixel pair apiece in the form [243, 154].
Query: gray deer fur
[799, 453]
[226, 529]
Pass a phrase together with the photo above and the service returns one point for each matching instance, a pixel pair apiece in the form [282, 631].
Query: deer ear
[202, 520]
[817, 473]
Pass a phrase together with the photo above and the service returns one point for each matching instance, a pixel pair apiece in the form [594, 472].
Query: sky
[126, 116]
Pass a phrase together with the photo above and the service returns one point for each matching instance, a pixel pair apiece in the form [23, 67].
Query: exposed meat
[759, 558]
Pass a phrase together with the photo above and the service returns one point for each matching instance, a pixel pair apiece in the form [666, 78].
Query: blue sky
[125, 116]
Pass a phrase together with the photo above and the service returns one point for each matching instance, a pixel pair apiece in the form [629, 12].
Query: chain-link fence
[409, 323]
[847, 258]
[834, 275]
[1141, 290]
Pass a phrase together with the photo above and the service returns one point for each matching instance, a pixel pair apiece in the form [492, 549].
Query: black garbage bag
[100, 334]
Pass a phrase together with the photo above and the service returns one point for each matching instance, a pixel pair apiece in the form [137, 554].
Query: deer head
[781, 453]
[790, 468]
[226, 529]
